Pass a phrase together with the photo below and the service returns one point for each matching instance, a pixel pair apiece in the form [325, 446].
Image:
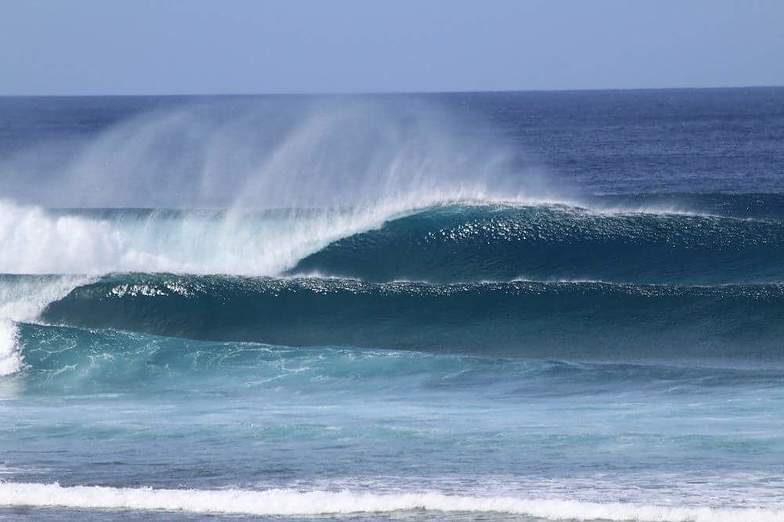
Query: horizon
[391, 93]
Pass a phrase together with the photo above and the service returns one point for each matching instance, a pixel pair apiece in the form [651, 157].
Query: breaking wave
[559, 319]
[284, 502]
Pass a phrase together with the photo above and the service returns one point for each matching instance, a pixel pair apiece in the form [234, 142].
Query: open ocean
[482, 306]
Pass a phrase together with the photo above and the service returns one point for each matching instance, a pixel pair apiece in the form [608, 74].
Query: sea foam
[291, 502]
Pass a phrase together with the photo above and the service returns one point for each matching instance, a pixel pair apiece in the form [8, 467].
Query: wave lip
[291, 502]
[61, 358]
[432, 237]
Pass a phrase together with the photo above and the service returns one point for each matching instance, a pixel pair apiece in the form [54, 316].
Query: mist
[266, 153]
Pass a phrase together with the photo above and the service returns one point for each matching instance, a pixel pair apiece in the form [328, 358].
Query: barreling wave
[476, 243]
[283, 502]
[413, 239]
[97, 241]
[559, 319]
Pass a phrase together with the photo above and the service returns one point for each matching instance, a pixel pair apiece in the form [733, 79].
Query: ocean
[471, 306]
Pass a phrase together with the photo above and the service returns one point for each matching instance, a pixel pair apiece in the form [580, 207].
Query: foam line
[290, 502]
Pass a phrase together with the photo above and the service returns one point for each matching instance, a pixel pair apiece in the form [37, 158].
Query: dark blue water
[477, 306]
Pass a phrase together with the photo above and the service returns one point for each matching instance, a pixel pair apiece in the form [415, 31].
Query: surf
[283, 502]
[503, 242]
[541, 319]
[449, 241]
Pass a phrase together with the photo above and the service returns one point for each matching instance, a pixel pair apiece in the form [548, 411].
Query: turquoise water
[601, 344]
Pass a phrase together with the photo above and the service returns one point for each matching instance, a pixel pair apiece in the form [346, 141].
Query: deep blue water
[470, 306]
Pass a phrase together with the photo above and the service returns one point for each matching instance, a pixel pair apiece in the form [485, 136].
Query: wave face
[99, 360]
[559, 242]
[526, 318]
[445, 243]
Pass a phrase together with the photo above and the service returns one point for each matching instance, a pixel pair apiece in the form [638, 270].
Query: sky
[295, 46]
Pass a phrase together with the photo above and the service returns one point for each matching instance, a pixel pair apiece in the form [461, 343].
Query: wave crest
[501, 243]
[587, 319]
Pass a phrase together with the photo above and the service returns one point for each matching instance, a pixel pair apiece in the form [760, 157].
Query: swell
[502, 243]
[711, 239]
[560, 319]
[66, 358]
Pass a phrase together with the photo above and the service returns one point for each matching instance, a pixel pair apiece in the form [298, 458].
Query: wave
[282, 502]
[563, 319]
[10, 360]
[738, 205]
[633, 243]
[558, 242]
[415, 239]
[40, 241]
[75, 359]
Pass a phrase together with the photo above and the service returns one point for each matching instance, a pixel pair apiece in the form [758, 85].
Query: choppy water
[547, 307]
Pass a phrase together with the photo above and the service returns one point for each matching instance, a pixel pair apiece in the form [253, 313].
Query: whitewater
[392, 306]
[289, 502]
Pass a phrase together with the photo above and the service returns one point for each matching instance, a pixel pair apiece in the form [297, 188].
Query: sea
[462, 306]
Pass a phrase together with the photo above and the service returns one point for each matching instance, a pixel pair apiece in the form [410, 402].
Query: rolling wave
[98, 241]
[558, 242]
[281, 502]
[419, 238]
[626, 277]
[559, 319]
[77, 359]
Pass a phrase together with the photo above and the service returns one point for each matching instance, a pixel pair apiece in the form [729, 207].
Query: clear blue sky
[244, 46]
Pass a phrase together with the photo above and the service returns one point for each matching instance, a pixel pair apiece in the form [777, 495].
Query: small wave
[75, 359]
[283, 502]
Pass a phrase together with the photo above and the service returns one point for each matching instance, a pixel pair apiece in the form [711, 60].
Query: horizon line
[386, 93]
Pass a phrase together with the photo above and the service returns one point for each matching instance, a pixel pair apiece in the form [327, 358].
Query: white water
[10, 359]
[378, 161]
[291, 502]
[40, 242]
[23, 299]
[373, 161]
[36, 241]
